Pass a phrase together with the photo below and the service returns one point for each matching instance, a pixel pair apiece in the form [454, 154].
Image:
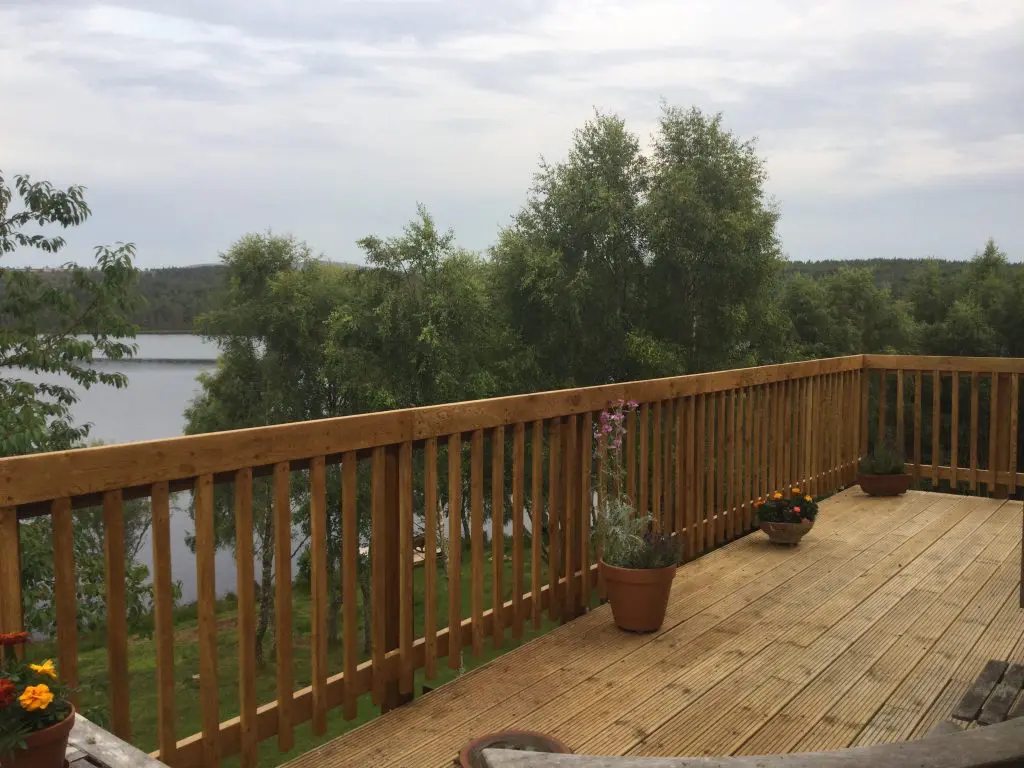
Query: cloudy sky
[890, 127]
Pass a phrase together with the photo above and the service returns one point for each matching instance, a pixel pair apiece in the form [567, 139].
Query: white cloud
[334, 118]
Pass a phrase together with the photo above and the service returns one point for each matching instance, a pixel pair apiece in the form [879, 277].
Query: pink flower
[796, 509]
[633, 404]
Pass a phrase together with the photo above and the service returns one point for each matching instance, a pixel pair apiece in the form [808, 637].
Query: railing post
[11, 619]
[1001, 461]
[393, 697]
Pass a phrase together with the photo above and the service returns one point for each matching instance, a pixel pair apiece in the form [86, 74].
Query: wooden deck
[868, 632]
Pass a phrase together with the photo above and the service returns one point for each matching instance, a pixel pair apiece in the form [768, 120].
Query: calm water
[151, 407]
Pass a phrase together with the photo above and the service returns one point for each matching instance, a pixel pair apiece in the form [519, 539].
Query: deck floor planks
[767, 682]
[773, 567]
[784, 730]
[876, 580]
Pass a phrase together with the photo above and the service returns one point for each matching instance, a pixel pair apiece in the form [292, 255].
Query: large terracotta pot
[786, 533]
[884, 485]
[471, 755]
[639, 596]
[43, 749]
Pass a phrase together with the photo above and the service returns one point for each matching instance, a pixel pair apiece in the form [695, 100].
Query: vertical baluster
[163, 623]
[498, 533]
[318, 590]
[901, 437]
[631, 457]
[814, 435]
[283, 604]
[748, 459]
[554, 534]
[865, 392]
[378, 576]
[683, 533]
[206, 600]
[936, 415]
[586, 505]
[705, 497]
[117, 613]
[975, 429]
[476, 489]
[350, 577]
[430, 557]
[454, 552]
[65, 591]
[788, 473]
[245, 577]
[954, 434]
[694, 544]
[918, 426]
[518, 505]
[406, 596]
[993, 431]
[1014, 405]
[644, 480]
[602, 494]
[656, 467]
[667, 509]
[536, 518]
[883, 393]
[721, 473]
[568, 489]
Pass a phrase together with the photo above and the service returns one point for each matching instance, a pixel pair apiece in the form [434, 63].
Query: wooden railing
[701, 449]
[955, 419]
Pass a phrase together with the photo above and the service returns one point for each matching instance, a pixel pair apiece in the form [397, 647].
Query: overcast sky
[890, 127]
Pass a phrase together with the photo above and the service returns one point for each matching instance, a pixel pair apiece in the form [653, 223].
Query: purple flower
[633, 404]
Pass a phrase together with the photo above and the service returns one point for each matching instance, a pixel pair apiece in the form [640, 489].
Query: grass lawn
[142, 666]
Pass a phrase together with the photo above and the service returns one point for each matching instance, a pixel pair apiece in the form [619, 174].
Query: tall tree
[54, 323]
[714, 250]
[570, 269]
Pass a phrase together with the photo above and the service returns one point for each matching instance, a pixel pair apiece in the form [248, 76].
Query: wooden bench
[89, 746]
[997, 695]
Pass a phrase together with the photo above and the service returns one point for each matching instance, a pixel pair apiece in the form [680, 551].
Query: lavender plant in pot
[637, 563]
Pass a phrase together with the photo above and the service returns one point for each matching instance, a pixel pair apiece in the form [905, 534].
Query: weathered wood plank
[970, 705]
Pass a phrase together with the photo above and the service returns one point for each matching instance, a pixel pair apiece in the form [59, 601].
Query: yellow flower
[46, 668]
[808, 499]
[777, 495]
[35, 697]
[796, 490]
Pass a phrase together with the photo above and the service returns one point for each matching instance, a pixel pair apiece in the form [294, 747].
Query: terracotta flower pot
[786, 533]
[639, 596]
[884, 485]
[471, 755]
[43, 749]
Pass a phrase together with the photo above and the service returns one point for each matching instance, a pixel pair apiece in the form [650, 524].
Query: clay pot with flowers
[637, 562]
[36, 715]
[786, 518]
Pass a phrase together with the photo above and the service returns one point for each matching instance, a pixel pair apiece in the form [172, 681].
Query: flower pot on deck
[786, 533]
[471, 755]
[43, 749]
[884, 485]
[639, 596]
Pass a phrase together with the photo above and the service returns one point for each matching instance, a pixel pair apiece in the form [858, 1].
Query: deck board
[868, 632]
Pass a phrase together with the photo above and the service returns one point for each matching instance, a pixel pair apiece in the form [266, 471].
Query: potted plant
[786, 518]
[637, 563]
[36, 715]
[883, 472]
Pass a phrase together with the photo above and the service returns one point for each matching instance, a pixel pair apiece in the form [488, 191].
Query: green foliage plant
[885, 459]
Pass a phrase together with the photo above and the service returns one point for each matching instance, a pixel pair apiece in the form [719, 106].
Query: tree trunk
[266, 592]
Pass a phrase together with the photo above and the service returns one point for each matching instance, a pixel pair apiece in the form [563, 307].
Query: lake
[161, 383]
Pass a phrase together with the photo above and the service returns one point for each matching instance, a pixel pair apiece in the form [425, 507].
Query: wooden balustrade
[700, 450]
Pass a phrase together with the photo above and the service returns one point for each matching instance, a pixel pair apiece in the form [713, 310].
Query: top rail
[84, 471]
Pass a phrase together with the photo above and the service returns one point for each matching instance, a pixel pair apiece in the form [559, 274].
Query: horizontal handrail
[84, 471]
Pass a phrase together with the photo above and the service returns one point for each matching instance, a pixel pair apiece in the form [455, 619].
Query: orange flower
[808, 499]
[777, 495]
[796, 490]
[11, 639]
[46, 668]
[35, 697]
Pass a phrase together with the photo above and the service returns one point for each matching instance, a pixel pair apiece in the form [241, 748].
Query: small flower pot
[884, 485]
[639, 596]
[43, 749]
[786, 533]
[472, 756]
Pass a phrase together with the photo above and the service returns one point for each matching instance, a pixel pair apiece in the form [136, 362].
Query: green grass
[142, 666]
